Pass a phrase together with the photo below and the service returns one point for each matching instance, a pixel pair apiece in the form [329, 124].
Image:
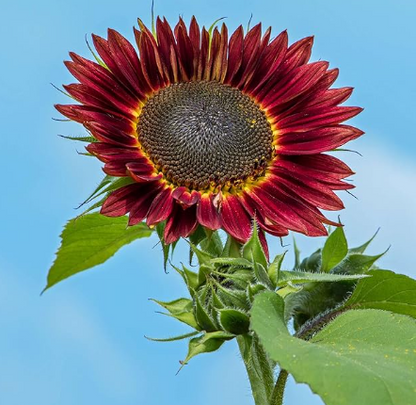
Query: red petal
[180, 224]
[186, 198]
[234, 218]
[301, 80]
[306, 120]
[161, 207]
[207, 214]
[110, 134]
[317, 140]
[100, 79]
[235, 54]
[142, 203]
[119, 202]
[274, 55]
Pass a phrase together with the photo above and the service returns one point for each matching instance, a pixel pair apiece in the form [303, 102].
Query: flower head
[214, 130]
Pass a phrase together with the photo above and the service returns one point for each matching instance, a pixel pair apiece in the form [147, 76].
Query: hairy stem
[259, 368]
[279, 388]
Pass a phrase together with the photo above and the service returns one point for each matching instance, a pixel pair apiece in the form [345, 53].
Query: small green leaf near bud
[356, 264]
[274, 268]
[253, 250]
[208, 342]
[231, 248]
[334, 250]
[361, 249]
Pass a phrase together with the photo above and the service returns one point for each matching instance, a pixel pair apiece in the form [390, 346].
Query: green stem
[279, 388]
[259, 368]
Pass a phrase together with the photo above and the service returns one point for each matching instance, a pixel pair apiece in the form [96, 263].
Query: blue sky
[82, 342]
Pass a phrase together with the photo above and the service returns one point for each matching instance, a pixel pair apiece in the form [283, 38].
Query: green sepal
[191, 278]
[253, 290]
[240, 277]
[274, 268]
[212, 243]
[206, 343]
[181, 309]
[232, 261]
[289, 289]
[356, 263]
[173, 338]
[234, 321]
[363, 247]
[253, 250]
[196, 238]
[167, 249]
[311, 263]
[261, 275]
[232, 248]
[216, 301]
[202, 317]
[232, 298]
[175, 306]
[87, 139]
[202, 256]
[301, 277]
[297, 254]
[334, 250]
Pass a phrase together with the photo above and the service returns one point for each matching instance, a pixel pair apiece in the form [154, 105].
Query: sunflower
[214, 129]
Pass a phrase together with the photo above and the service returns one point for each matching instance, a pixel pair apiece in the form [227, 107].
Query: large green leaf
[385, 290]
[91, 240]
[363, 357]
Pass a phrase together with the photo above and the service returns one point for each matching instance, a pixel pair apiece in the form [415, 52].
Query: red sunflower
[214, 130]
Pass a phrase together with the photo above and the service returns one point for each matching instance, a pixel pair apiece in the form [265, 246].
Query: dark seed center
[205, 133]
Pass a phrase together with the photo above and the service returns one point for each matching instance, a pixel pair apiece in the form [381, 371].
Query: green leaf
[311, 263]
[176, 306]
[234, 321]
[87, 139]
[253, 290]
[212, 243]
[232, 261]
[91, 240]
[300, 277]
[362, 248]
[356, 264]
[203, 257]
[288, 289]
[174, 338]
[362, 357]
[201, 314]
[253, 250]
[208, 342]
[297, 254]
[261, 276]
[334, 250]
[196, 238]
[385, 290]
[186, 317]
[232, 248]
[274, 268]
[231, 297]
